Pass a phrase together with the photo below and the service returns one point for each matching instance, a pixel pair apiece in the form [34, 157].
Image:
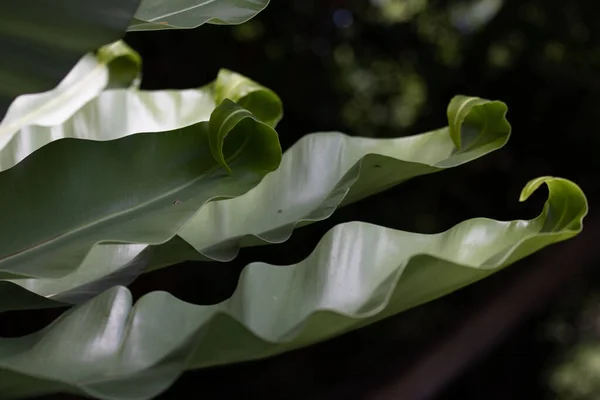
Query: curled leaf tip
[222, 120]
[473, 120]
[109, 52]
[262, 102]
[226, 144]
[533, 185]
[566, 206]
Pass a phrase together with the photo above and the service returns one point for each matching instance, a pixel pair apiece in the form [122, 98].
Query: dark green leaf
[41, 40]
[73, 194]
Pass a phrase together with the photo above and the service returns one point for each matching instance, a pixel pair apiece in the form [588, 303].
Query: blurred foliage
[393, 11]
[578, 378]
[574, 328]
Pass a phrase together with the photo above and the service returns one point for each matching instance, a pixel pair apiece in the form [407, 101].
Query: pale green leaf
[308, 187]
[358, 274]
[183, 14]
[74, 110]
[326, 170]
[31, 120]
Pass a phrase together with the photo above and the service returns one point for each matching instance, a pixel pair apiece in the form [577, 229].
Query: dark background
[387, 68]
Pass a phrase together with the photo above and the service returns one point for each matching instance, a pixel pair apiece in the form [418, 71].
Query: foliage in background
[574, 326]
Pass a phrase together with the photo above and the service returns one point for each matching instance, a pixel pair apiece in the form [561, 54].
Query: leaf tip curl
[534, 185]
[473, 120]
[262, 102]
[230, 120]
[554, 184]
[566, 206]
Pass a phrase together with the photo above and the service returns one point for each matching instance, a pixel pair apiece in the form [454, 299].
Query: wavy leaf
[178, 109]
[184, 14]
[41, 40]
[172, 175]
[31, 120]
[74, 110]
[110, 264]
[358, 274]
[307, 187]
[105, 266]
[138, 189]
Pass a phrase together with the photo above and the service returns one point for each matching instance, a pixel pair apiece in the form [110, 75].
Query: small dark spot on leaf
[279, 211]
[377, 166]
[177, 202]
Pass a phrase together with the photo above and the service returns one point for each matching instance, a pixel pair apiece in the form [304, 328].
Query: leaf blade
[309, 187]
[358, 274]
[187, 14]
[132, 196]
[175, 129]
[22, 130]
[306, 188]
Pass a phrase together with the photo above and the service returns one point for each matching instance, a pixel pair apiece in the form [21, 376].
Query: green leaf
[31, 120]
[324, 171]
[72, 194]
[41, 40]
[105, 266]
[307, 187]
[184, 14]
[109, 264]
[74, 110]
[358, 274]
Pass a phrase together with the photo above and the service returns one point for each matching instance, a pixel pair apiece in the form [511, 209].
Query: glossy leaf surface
[34, 120]
[324, 171]
[78, 108]
[359, 273]
[307, 187]
[183, 14]
[141, 188]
